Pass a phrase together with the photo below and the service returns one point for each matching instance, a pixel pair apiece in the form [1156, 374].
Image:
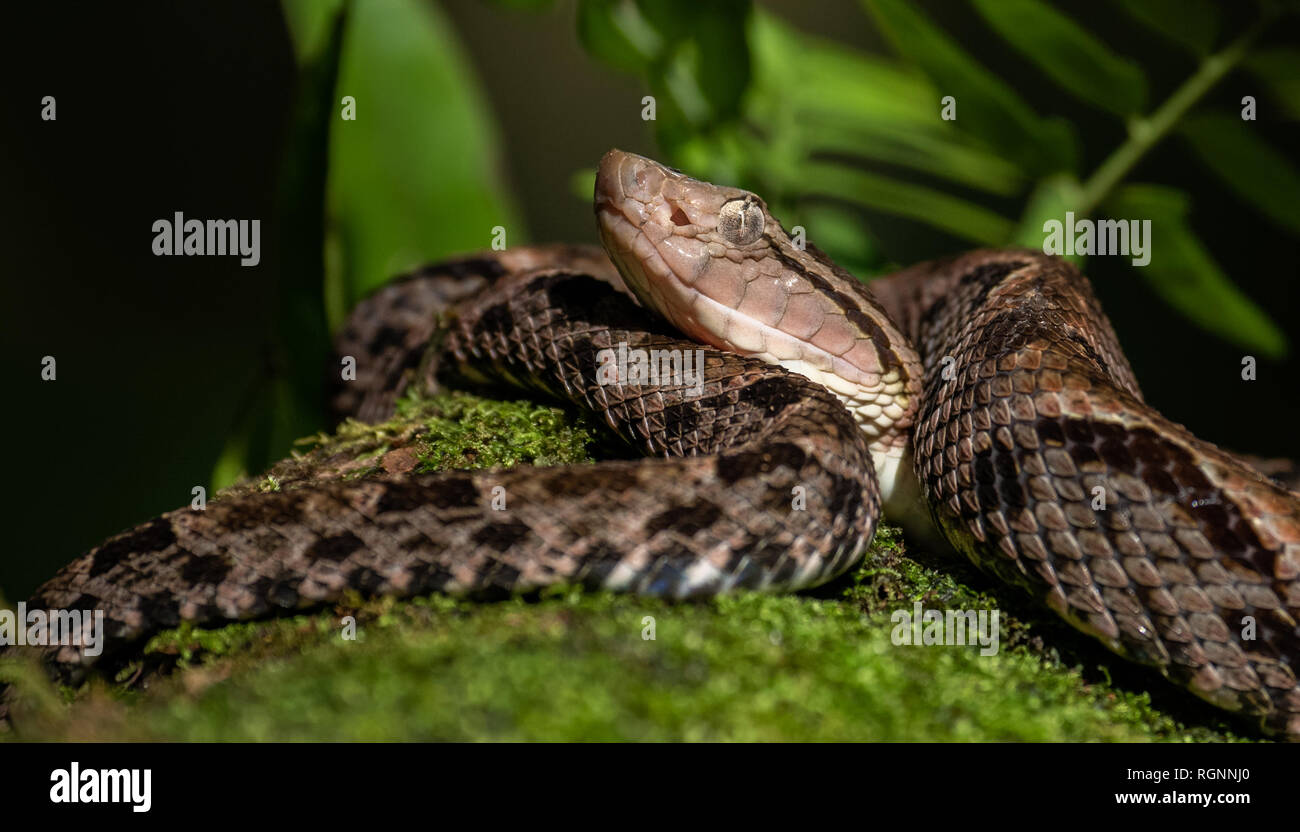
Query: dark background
[184, 106]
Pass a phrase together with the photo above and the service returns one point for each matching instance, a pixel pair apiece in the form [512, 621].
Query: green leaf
[797, 70]
[272, 423]
[694, 56]
[309, 23]
[284, 398]
[1182, 272]
[1052, 198]
[824, 98]
[929, 152]
[714, 51]
[1257, 172]
[411, 179]
[232, 463]
[935, 208]
[526, 5]
[582, 184]
[986, 107]
[1192, 23]
[1068, 55]
[1279, 69]
[616, 32]
[415, 177]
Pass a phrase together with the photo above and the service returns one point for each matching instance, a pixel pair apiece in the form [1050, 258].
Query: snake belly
[1017, 420]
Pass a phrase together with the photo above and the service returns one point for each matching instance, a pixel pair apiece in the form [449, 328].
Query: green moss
[471, 432]
[461, 430]
[578, 666]
[441, 432]
[575, 665]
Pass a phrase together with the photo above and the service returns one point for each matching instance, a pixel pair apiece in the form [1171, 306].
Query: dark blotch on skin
[1050, 432]
[985, 276]
[209, 569]
[1116, 455]
[388, 337]
[457, 493]
[161, 607]
[154, 536]
[440, 492]
[283, 595]
[366, 580]
[1005, 464]
[1084, 456]
[1170, 471]
[84, 602]
[1078, 430]
[989, 275]
[686, 519]
[501, 574]
[429, 577]
[775, 392]
[335, 548]
[267, 510]
[501, 536]
[603, 557]
[483, 266]
[734, 467]
[496, 319]
[592, 304]
[1013, 493]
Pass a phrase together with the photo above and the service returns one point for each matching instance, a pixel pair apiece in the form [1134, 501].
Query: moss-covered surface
[573, 665]
[450, 430]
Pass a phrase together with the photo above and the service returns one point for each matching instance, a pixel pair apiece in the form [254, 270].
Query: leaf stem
[1145, 132]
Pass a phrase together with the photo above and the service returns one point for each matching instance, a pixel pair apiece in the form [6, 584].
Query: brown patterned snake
[1035, 452]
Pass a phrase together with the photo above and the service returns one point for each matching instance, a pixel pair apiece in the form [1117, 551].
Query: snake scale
[985, 393]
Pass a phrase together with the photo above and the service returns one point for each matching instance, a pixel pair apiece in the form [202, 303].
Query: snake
[780, 406]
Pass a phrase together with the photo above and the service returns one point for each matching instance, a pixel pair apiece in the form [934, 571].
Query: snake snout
[623, 176]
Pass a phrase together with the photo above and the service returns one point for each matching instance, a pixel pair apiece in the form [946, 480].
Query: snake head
[714, 262]
[669, 233]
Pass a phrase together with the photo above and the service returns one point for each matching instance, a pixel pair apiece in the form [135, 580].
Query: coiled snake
[1019, 425]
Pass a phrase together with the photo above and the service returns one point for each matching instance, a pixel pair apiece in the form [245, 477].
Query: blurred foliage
[831, 136]
[836, 139]
[411, 179]
[415, 179]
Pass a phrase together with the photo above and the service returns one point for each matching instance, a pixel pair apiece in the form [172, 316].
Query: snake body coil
[1029, 439]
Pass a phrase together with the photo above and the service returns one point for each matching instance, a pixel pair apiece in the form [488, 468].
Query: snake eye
[740, 220]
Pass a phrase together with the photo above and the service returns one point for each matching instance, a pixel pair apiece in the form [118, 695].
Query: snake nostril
[679, 217]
